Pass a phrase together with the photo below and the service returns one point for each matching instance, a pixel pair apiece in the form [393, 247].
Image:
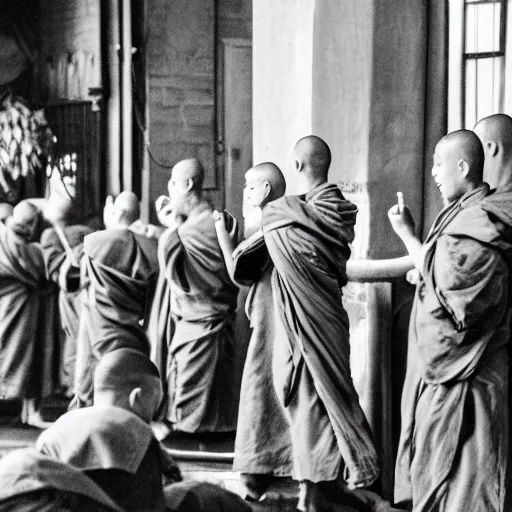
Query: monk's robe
[32, 482]
[263, 442]
[454, 439]
[308, 241]
[200, 360]
[113, 447]
[193, 496]
[121, 267]
[67, 278]
[22, 287]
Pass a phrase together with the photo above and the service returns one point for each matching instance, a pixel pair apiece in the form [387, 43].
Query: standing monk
[308, 237]
[63, 269]
[453, 445]
[262, 444]
[121, 267]
[200, 360]
[22, 280]
[495, 133]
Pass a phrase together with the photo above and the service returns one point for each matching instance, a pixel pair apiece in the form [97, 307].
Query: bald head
[495, 133]
[190, 169]
[268, 172]
[465, 145]
[127, 207]
[120, 374]
[313, 155]
[24, 219]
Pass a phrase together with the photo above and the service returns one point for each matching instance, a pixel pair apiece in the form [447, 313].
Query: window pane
[483, 85]
[483, 27]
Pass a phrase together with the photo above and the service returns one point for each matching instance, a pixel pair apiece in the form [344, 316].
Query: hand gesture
[164, 212]
[226, 238]
[108, 210]
[401, 221]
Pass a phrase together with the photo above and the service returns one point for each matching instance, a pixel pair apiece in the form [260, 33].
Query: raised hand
[401, 221]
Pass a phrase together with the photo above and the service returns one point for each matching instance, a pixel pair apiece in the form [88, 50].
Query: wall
[70, 48]
[182, 51]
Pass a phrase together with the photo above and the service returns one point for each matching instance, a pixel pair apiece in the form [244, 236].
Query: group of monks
[149, 315]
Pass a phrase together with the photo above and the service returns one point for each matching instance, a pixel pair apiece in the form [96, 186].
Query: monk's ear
[491, 148]
[299, 166]
[463, 167]
[190, 184]
[134, 399]
[268, 190]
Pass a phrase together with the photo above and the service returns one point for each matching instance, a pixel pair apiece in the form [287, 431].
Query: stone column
[353, 73]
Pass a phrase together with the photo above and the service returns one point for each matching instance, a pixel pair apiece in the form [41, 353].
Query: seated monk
[263, 443]
[121, 268]
[32, 482]
[308, 238]
[63, 249]
[22, 283]
[194, 286]
[452, 454]
[112, 442]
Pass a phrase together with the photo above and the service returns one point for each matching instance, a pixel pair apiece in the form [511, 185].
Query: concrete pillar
[353, 73]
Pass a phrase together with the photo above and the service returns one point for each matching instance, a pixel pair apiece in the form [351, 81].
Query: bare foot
[311, 498]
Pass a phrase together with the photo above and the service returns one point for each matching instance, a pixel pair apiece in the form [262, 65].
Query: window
[477, 61]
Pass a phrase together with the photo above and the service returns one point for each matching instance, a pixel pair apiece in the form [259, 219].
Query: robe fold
[115, 448]
[308, 241]
[63, 274]
[200, 355]
[22, 335]
[454, 439]
[263, 442]
[121, 267]
[32, 482]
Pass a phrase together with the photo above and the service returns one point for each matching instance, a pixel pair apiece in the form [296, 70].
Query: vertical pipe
[113, 150]
[127, 95]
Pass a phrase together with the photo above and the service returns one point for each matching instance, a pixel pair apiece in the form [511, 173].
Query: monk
[196, 289]
[262, 444]
[63, 269]
[32, 482]
[112, 442]
[495, 133]
[122, 267]
[453, 444]
[308, 237]
[22, 277]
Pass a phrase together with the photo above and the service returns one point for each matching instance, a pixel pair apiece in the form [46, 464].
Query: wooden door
[237, 84]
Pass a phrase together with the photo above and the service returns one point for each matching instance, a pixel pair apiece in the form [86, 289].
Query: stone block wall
[181, 55]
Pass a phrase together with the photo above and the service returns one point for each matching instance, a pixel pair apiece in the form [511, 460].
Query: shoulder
[49, 238]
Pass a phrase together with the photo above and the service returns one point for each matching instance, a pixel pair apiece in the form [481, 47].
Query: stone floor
[200, 459]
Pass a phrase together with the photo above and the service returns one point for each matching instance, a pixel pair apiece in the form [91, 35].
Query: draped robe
[202, 301]
[308, 241]
[121, 267]
[115, 448]
[32, 482]
[68, 279]
[22, 335]
[263, 443]
[453, 444]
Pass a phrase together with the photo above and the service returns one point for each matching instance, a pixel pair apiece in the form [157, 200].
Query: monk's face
[255, 192]
[447, 172]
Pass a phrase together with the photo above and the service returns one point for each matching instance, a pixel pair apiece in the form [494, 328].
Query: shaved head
[127, 207]
[122, 371]
[270, 173]
[465, 145]
[6, 210]
[24, 219]
[192, 169]
[315, 155]
[495, 132]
